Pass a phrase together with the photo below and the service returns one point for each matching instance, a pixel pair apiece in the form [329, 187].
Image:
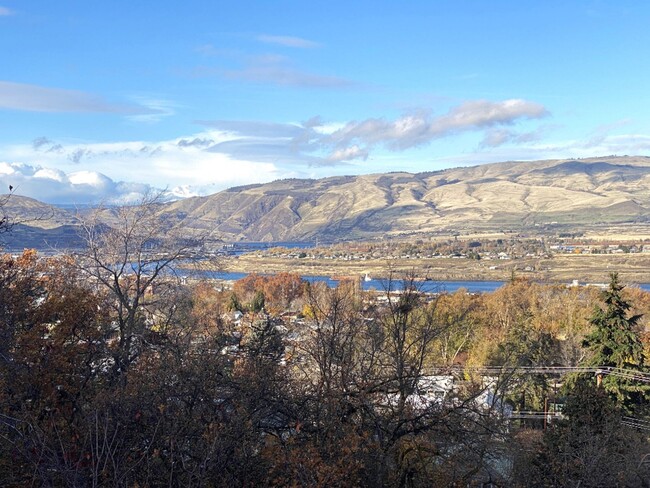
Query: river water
[381, 285]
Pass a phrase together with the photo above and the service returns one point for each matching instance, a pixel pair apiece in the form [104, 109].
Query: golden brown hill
[544, 195]
[510, 195]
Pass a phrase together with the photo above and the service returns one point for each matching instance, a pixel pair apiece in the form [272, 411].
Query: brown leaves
[280, 290]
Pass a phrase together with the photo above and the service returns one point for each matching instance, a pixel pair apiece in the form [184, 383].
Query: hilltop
[545, 196]
[491, 197]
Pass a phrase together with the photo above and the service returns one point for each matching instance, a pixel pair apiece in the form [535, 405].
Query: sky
[102, 101]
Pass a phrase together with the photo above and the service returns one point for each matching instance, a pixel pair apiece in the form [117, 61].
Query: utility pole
[545, 411]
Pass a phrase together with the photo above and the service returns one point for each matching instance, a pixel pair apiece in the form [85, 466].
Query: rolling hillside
[510, 195]
[491, 197]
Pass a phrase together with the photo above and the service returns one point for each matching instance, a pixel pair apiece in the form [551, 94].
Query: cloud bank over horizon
[232, 153]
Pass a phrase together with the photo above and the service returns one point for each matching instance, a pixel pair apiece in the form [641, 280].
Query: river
[377, 284]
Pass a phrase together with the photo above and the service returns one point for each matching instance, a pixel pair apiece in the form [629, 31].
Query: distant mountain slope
[34, 213]
[37, 225]
[490, 197]
[486, 197]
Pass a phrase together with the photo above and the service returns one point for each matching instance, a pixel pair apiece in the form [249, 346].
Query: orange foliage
[279, 290]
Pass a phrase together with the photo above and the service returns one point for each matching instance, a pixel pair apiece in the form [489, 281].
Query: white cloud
[317, 143]
[233, 153]
[53, 185]
[157, 109]
[421, 128]
[288, 41]
[586, 147]
[50, 174]
[500, 136]
[4, 11]
[348, 153]
[90, 178]
[78, 173]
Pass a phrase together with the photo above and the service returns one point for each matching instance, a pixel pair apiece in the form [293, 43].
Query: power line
[500, 370]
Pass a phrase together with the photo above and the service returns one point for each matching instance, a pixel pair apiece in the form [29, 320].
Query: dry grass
[633, 268]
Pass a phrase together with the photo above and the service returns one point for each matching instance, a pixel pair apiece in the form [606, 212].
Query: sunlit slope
[28, 211]
[493, 196]
[485, 198]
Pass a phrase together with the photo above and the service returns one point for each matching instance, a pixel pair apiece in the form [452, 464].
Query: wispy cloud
[500, 136]
[4, 12]
[277, 143]
[421, 128]
[46, 145]
[35, 98]
[348, 154]
[156, 109]
[278, 70]
[597, 143]
[254, 128]
[602, 132]
[288, 41]
[632, 144]
[231, 153]
[200, 142]
[317, 143]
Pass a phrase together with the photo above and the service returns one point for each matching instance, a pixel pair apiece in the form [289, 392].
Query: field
[563, 268]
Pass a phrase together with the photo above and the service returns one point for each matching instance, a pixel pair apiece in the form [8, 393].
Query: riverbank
[561, 268]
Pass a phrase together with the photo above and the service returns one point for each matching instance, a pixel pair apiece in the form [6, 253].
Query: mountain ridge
[511, 195]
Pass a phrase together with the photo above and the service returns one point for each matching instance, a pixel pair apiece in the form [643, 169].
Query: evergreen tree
[587, 447]
[614, 342]
[265, 341]
[257, 305]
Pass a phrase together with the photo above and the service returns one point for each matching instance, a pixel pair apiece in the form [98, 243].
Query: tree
[457, 312]
[614, 342]
[278, 291]
[5, 221]
[589, 447]
[52, 331]
[257, 305]
[133, 259]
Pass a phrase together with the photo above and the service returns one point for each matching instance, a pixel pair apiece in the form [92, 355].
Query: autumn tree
[457, 312]
[5, 220]
[132, 259]
[280, 291]
[53, 332]
[366, 369]
[414, 432]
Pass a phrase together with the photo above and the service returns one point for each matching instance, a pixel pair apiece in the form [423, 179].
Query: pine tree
[614, 342]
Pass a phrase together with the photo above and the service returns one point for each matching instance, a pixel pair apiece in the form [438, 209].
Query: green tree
[257, 305]
[589, 447]
[614, 342]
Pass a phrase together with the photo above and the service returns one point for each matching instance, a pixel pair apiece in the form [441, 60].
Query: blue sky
[101, 100]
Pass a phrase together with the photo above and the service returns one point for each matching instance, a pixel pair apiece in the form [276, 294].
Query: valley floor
[561, 268]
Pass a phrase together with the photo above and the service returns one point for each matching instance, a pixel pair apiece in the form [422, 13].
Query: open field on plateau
[590, 268]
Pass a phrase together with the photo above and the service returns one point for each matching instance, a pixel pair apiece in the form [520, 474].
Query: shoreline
[560, 269]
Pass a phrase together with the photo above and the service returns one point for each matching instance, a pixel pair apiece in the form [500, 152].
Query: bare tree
[6, 222]
[134, 259]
